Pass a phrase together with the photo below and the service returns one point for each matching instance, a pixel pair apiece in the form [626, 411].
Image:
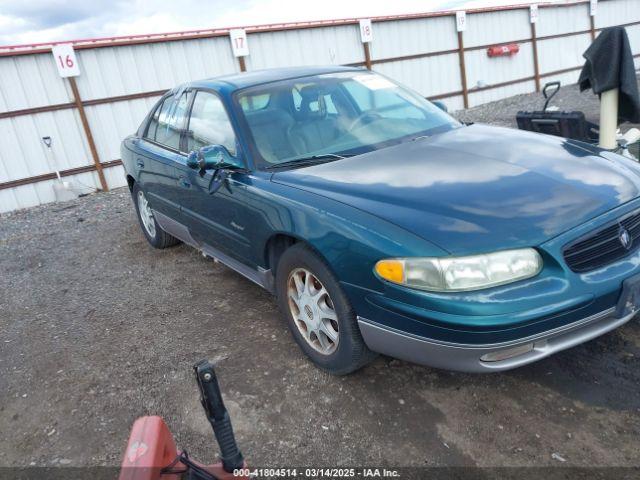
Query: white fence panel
[30, 81]
[22, 150]
[429, 76]
[113, 122]
[407, 44]
[616, 12]
[561, 53]
[563, 19]
[110, 72]
[497, 27]
[485, 96]
[413, 37]
[483, 70]
[313, 46]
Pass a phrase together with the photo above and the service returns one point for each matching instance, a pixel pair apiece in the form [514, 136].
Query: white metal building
[122, 77]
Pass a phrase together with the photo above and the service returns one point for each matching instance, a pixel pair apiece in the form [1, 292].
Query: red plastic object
[503, 50]
[151, 447]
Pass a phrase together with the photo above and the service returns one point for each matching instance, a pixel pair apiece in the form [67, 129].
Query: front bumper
[469, 358]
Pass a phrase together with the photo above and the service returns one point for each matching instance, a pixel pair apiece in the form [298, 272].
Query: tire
[349, 352]
[156, 237]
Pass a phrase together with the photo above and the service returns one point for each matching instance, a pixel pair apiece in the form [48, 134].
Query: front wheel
[318, 312]
[154, 234]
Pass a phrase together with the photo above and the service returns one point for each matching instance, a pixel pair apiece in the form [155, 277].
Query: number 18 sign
[65, 59]
[366, 35]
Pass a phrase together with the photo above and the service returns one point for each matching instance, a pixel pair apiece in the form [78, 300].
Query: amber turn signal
[391, 270]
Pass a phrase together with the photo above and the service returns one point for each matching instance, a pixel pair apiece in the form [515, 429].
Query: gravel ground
[503, 112]
[97, 328]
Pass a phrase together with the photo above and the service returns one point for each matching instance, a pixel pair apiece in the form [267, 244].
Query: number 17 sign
[65, 59]
[239, 44]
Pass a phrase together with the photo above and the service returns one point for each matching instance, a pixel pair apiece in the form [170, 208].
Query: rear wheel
[318, 312]
[154, 234]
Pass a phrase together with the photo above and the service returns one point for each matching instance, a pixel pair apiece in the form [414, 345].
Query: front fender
[350, 240]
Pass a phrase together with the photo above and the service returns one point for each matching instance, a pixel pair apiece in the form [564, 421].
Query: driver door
[211, 216]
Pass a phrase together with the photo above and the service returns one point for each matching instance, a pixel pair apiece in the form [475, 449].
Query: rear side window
[209, 124]
[168, 121]
[153, 123]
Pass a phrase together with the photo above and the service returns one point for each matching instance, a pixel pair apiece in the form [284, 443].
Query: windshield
[342, 114]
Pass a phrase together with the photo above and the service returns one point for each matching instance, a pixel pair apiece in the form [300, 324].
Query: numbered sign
[593, 7]
[533, 13]
[461, 21]
[65, 59]
[366, 34]
[239, 43]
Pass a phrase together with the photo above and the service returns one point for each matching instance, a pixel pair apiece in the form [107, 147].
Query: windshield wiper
[311, 160]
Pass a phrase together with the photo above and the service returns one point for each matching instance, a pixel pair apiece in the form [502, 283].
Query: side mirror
[211, 157]
[441, 105]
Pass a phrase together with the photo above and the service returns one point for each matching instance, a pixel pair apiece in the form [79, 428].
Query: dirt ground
[98, 328]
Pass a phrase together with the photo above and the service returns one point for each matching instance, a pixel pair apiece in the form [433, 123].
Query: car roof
[236, 81]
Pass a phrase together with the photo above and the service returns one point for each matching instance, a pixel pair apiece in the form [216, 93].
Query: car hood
[478, 188]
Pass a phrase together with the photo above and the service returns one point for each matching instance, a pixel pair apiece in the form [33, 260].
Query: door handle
[184, 182]
[140, 163]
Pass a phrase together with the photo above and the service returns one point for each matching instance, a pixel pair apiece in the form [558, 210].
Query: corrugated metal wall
[421, 53]
[317, 46]
[416, 37]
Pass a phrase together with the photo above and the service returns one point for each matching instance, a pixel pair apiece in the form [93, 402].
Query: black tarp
[610, 65]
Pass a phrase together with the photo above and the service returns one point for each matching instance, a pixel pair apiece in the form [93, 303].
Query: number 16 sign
[65, 59]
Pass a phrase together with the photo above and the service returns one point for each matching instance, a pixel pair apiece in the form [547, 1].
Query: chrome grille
[603, 246]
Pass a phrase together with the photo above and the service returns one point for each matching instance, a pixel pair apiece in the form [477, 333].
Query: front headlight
[455, 274]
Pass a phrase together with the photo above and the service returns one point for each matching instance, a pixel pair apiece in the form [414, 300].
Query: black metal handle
[549, 97]
[218, 416]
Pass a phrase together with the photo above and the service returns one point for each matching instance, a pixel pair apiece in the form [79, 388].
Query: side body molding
[261, 276]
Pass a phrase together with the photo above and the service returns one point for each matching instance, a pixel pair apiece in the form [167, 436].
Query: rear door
[159, 151]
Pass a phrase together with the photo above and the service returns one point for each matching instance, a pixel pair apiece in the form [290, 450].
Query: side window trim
[185, 128]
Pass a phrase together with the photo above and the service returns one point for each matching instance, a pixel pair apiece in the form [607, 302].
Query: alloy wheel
[146, 215]
[313, 311]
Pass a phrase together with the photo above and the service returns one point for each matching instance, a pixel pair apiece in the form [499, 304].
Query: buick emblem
[625, 238]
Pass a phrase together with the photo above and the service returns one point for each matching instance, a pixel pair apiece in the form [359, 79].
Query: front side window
[168, 121]
[209, 124]
[341, 113]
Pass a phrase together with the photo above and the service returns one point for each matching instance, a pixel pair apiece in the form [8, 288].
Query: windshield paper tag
[374, 82]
